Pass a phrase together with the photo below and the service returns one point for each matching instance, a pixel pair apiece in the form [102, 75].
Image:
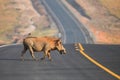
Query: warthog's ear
[57, 41]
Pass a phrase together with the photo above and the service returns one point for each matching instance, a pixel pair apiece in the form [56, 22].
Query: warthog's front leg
[32, 53]
[46, 53]
[49, 56]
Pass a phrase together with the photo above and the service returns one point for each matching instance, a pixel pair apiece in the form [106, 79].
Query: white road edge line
[74, 20]
[64, 41]
[10, 45]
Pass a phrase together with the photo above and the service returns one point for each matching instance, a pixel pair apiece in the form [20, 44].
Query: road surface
[71, 66]
[72, 28]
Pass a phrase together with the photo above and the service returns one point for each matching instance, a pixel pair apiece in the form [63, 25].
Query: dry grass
[8, 18]
[113, 6]
[16, 17]
[104, 27]
[105, 22]
[46, 32]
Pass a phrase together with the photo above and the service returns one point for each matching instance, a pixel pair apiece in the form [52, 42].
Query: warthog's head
[59, 46]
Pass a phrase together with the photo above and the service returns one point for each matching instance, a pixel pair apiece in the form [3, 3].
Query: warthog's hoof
[50, 59]
[22, 58]
[36, 59]
[42, 58]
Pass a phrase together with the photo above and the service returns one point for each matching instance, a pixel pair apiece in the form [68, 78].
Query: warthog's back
[38, 43]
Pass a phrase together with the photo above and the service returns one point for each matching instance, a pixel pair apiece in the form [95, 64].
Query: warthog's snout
[63, 51]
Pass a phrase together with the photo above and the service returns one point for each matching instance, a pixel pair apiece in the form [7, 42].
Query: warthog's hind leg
[23, 52]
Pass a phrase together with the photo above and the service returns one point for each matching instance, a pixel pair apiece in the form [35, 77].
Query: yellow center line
[96, 63]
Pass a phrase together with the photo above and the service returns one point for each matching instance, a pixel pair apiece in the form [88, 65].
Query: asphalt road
[71, 66]
[72, 29]
[107, 55]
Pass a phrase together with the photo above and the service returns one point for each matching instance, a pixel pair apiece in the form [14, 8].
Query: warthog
[45, 44]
